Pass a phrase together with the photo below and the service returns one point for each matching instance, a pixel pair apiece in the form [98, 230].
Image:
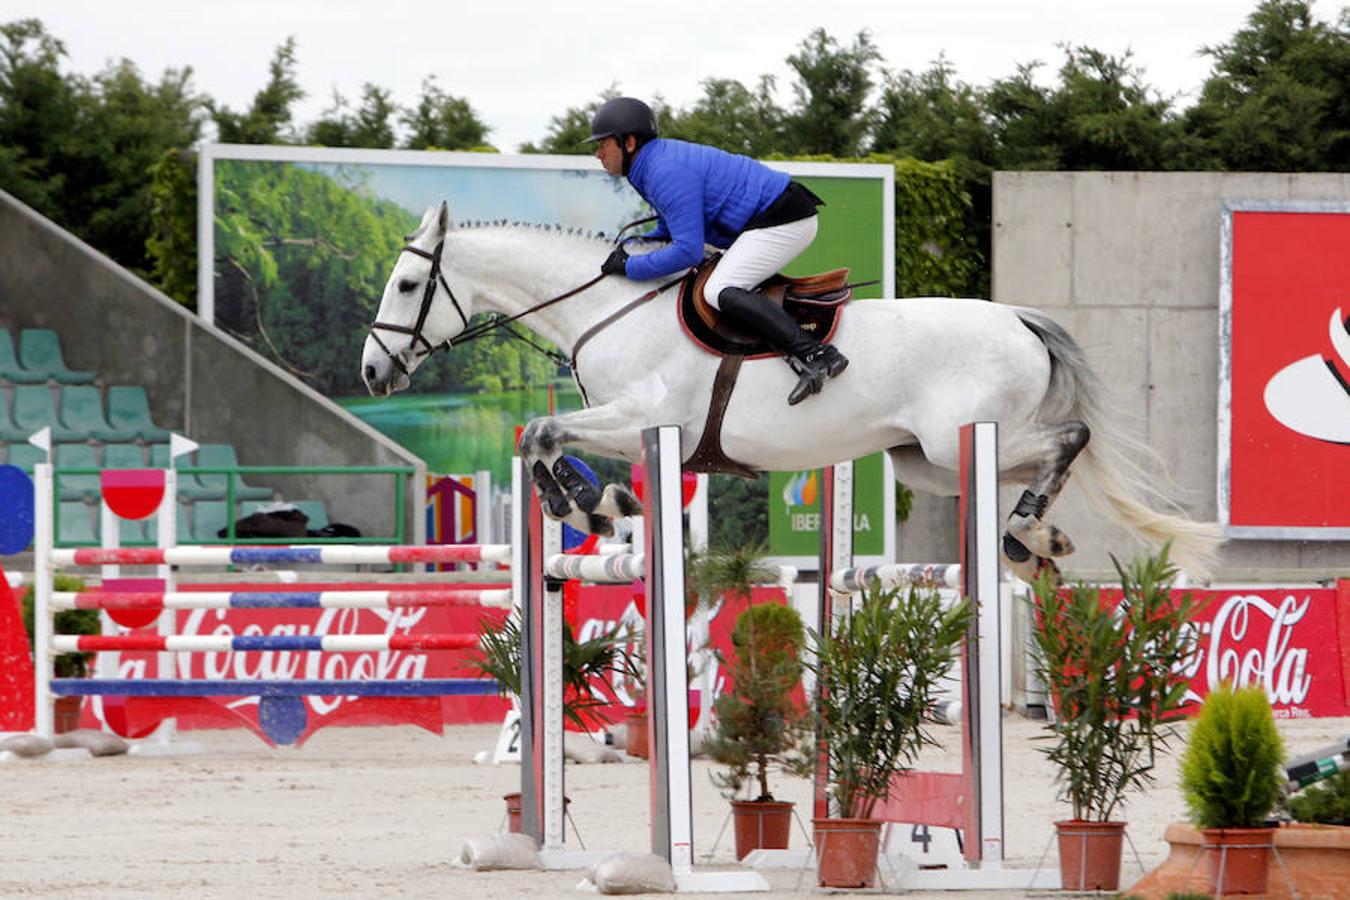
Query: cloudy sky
[519, 63]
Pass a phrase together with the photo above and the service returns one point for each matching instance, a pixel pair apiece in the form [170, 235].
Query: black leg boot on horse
[812, 360]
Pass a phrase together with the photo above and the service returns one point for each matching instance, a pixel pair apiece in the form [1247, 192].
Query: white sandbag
[98, 743]
[26, 745]
[582, 748]
[485, 852]
[632, 873]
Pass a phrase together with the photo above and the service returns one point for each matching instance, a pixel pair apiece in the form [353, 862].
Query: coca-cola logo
[396, 665]
[1251, 641]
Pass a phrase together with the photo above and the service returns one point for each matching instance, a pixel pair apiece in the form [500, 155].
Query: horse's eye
[407, 285]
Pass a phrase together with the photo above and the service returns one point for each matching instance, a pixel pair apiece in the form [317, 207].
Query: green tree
[368, 126]
[567, 132]
[1278, 98]
[731, 116]
[1100, 116]
[932, 116]
[831, 89]
[441, 121]
[268, 118]
[37, 104]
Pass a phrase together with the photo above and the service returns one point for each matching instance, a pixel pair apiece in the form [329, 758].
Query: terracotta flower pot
[513, 810]
[761, 825]
[66, 714]
[637, 733]
[1239, 859]
[1089, 854]
[846, 852]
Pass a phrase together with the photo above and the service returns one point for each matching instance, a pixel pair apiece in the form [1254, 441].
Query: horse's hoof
[618, 502]
[1038, 537]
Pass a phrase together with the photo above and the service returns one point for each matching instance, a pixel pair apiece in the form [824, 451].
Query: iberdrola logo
[802, 489]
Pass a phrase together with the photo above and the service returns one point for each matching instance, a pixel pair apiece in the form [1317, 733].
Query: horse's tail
[1112, 467]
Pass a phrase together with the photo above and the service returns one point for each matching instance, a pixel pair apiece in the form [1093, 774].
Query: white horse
[920, 369]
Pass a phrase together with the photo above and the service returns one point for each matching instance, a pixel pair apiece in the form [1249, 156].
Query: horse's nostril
[370, 373]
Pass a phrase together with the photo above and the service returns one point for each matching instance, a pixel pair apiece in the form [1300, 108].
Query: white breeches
[759, 253]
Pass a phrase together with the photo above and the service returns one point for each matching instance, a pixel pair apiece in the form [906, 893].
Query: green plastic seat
[208, 517]
[131, 532]
[184, 529]
[40, 351]
[8, 430]
[10, 370]
[213, 486]
[129, 408]
[77, 523]
[34, 411]
[77, 487]
[124, 456]
[82, 414]
[25, 456]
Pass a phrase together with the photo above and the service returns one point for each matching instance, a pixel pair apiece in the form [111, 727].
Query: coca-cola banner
[1284, 396]
[1289, 641]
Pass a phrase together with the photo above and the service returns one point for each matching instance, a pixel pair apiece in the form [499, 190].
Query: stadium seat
[77, 523]
[184, 529]
[40, 352]
[10, 370]
[8, 430]
[208, 517]
[82, 413]
[131, 532]
[124, 456]
[25, 456]
[212, 486]
[34, 410]
[129, 408]
[76, 487]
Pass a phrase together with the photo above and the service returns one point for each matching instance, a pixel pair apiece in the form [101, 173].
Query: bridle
[436, 277]
[428, 295]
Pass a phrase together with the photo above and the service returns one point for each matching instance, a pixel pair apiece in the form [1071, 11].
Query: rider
[701, 195]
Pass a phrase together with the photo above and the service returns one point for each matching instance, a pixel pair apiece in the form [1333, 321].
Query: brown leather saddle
[814, 300]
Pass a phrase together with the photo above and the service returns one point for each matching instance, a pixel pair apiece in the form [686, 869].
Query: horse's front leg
[563, 491]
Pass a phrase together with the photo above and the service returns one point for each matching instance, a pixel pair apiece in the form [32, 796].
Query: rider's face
[609, 153]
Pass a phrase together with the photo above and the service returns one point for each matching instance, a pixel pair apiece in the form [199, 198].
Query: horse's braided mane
[535, 226]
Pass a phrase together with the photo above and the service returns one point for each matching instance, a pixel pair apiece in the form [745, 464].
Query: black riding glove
[617, 264]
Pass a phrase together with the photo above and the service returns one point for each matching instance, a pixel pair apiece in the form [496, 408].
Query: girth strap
[708, 455]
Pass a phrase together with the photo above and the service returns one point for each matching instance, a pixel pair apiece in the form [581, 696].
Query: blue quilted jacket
[701, 195]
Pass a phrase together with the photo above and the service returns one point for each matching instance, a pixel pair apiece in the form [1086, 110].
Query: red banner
[1289, 641]
[1288, 447]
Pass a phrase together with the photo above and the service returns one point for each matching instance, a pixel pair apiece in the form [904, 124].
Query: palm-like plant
[877, 679]
[1114, 676]
[587, 667]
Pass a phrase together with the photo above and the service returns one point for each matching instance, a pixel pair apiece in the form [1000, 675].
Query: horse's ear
[443, 221]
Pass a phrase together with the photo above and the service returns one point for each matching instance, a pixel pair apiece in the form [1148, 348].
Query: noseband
[428, 295]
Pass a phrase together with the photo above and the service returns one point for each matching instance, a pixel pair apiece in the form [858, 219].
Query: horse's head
[418, 311]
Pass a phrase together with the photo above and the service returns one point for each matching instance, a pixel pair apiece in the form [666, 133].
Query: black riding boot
[809, 358]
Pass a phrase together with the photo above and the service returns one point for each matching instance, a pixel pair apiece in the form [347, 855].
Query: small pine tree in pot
[759, 721]
[1232, 776]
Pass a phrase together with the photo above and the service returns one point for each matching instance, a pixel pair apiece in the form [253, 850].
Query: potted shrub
[1232, 776]
[65, 710]
[877, 677]
[1113, 675]
[759, 721]
[587, 667]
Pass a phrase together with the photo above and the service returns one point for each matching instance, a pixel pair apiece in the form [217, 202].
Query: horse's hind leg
[1027, 533]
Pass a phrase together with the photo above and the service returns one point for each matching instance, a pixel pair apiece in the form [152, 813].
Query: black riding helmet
[623, 115]
[620, 116]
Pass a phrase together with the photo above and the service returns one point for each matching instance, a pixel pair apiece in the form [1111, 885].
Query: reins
[495, 322]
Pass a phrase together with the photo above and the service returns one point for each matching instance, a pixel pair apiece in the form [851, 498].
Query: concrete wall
[1129, 263]
[201, 382]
